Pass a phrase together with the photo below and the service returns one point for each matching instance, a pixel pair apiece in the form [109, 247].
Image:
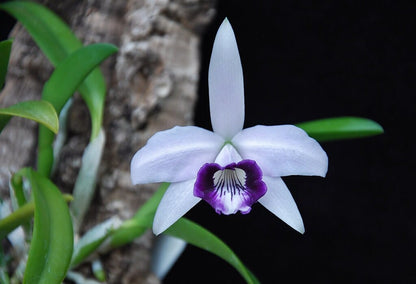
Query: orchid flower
[231, 168]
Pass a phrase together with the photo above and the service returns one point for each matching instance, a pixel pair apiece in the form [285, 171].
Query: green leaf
[84, 187]
[39, 111]
[116, 237]
[19, 196]
[57, 41]
[62, 135]
[140, 222]
[5, 48]
[93, 91]
[202, 238]
[4, 278]
[184, 229]
[66, 78]
[20, 216]
[72, 71]
[51, 34]
[338, 128]
[17, 218]
[17, 190]
[92, 240]
[98, 270]
[52, 243]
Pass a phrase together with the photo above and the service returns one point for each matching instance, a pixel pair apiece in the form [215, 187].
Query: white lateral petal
[225, 81]
[175, 155]
[227, 156]
[280, 202]
[282, 150]
[177, 200]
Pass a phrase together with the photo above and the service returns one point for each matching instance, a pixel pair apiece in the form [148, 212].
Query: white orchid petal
[166, 251]
[175, 155]
[282, 150]
[280, 202]
[177, 200]
[225, 80]
[227, 155]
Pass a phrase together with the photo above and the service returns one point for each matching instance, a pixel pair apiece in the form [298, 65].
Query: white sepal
[177, 200]
[280, 202]
[225, 82]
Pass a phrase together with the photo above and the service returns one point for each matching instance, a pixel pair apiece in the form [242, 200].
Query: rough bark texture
[152, 84]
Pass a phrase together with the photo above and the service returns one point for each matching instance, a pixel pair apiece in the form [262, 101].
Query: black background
[304, 60]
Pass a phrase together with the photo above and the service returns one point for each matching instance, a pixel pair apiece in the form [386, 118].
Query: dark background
[309, 60]
[304, 61]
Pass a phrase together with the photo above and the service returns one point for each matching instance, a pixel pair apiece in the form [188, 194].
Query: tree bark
[152, 85]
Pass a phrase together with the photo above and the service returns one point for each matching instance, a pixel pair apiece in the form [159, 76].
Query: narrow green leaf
[93, 91]
[5, 48]
[338, 128]
[4, 277]
[202, 238]
[142, 220]
[98, 270]
[39, 111]
[124, 234]
[61, 137]
[50, 33]
[93, 239]
[19, 196]
[183, 229]
[66, 78]
[57, 41]
[17, 191]
[52, 243]
[84, 187]
[20, 216]
[72, 71]
[17, 218]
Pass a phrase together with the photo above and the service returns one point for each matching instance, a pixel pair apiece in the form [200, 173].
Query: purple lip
[235, 187]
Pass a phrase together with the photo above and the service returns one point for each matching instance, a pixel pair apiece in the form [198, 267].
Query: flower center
[230, 180]
[232, 188]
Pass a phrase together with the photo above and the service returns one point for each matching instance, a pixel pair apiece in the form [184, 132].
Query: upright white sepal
[225, 82]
